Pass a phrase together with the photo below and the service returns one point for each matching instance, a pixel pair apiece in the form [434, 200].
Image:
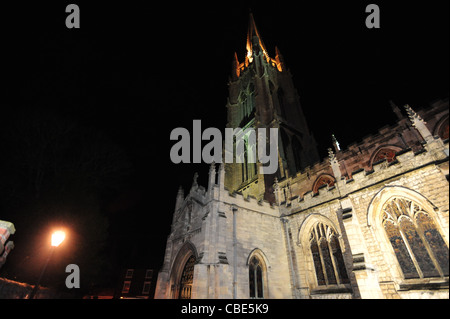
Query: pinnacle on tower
[334, 164]
[335, 143]
[180, 198]
[279, 59]
[255, 46]
[396, 110]
[413, 116]
[253, 32]
[418, 123]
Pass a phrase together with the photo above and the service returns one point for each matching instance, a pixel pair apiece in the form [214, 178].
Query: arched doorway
[187, 279]
[182, 277]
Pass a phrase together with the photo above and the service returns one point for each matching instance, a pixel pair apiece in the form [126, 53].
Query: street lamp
[57, 238]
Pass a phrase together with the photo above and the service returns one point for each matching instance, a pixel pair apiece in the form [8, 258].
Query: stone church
[370, 221]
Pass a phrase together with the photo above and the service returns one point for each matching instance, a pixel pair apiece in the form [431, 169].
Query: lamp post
[57, 238]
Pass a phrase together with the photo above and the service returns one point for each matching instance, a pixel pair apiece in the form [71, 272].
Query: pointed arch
[406, 225]
[441, 128]
[257, 274]
[260, 254]
[182, 272]
[322, 250]
[322, 180]
[384, 152]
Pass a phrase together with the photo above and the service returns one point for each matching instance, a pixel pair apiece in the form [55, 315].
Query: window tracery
[327, 256]
[417, 244]
[255, 272]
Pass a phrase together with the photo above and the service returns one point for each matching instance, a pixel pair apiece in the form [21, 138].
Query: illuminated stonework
[369, 221]
[254, 45]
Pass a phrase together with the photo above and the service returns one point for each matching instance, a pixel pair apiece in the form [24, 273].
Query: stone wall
[223, 231]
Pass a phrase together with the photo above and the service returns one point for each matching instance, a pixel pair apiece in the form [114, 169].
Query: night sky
[135, 72]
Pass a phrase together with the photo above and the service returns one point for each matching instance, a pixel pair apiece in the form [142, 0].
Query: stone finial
[331, 155]
[335, 143]
[275, 183]
[221, 176]
[413, 116]
[419, 124]
[334, 164]
[276, 191]
[194, 180]
[396, 110]
[180, 198]
[212, 175]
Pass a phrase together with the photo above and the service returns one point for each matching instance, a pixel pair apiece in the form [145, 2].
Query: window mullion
[255, 280]
[324, 271]
[430, 251]
[408, 247]
[336, 273]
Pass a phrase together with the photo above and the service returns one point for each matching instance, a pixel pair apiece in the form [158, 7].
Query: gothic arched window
[249, 165]
[247, 104]
[187, 279]
[418, 245]
[327, 256]
[255, 278]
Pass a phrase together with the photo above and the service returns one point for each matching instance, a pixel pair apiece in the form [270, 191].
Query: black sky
[137, 71]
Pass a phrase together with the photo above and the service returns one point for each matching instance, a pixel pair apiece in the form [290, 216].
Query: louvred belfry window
[418, 245]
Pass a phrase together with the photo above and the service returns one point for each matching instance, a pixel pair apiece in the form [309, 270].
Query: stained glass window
[327, 256]
[337, 254]
[401, 252]
[418, 245]
[317, 263]
[434, 239]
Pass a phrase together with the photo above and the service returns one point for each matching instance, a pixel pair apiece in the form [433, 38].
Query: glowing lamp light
[58, 238]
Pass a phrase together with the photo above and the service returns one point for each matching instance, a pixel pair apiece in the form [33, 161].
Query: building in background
[135, 284]
[6, 229]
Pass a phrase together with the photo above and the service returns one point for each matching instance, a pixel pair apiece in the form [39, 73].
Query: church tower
[317, 240]
[262, 95]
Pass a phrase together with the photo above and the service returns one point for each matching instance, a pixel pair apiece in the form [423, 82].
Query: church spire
[254, 39]
[419, 124]
[255, 46]
[396, 110]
